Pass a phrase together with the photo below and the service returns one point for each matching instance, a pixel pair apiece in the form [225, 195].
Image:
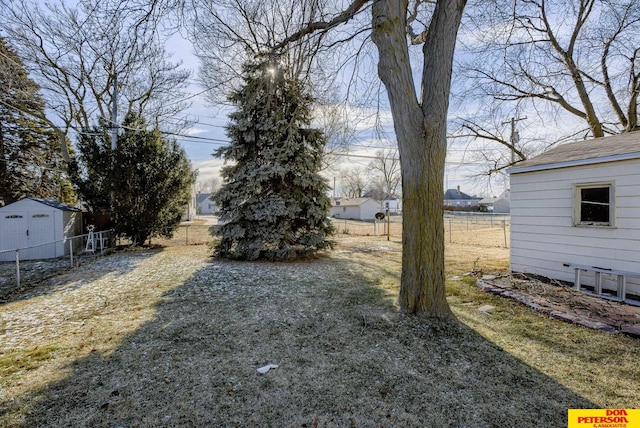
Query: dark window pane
[596, 194]
[594, 206]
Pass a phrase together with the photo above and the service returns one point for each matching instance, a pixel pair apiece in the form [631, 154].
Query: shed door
[13, 234]
[41, 231]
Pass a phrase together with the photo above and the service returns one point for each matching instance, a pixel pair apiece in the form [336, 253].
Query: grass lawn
[170, 337]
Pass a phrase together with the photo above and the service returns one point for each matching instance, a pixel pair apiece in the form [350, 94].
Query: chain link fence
[188, 233]
[25, 268]
[470, 229]
[474, 229]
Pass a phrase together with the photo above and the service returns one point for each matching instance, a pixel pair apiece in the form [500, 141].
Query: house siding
[365, 210]
[543, 236]
[205, 204]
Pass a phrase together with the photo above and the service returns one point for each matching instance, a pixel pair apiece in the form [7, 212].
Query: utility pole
[515, 137]
[114, 112]
[114, 138]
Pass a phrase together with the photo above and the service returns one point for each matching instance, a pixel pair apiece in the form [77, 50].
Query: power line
[217, 141]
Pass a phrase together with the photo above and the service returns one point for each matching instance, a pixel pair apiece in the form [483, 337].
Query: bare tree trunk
[590, 112]
[420, 127]
[632, 114]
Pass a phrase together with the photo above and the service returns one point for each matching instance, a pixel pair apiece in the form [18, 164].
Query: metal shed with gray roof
[39, 228]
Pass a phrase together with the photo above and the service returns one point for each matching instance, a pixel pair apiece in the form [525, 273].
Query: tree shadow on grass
[41, 277]
[345, 358]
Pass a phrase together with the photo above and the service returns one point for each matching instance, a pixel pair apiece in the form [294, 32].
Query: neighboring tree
[78, 53]
[30, 160]
[575, 60]
[273, 203]
[420, 122]
[337, 125]
[145, 183]
[377, 192]
[228, 34]
[386, 170]
[490, 148]
[210, 186]
[354, 182]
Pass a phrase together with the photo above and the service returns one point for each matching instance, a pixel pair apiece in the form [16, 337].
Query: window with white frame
[594, 204]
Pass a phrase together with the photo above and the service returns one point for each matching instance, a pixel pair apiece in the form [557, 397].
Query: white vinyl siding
[544, 235]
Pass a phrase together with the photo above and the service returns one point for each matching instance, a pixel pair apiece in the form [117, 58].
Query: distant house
[486, 204]
[40, 228]
[455, 198]
[502, 204]
[393, 203]
[499, 205]
[205, 204]
[579, 205]
[354, 208]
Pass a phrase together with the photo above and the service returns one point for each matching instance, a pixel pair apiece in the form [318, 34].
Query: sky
[208, 134]
[464, 158]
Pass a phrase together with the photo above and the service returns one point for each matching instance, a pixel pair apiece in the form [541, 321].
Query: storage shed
[40, 228]
[575, 215]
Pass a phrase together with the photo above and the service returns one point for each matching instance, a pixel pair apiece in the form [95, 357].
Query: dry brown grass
[173, 338]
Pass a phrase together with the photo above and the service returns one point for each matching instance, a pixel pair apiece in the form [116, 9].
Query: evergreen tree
[145, 183]
[273, 202]
[30, 163]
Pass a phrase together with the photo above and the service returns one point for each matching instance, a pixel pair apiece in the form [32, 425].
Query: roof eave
[579, 162]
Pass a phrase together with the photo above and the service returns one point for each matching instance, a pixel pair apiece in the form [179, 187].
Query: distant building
[205, 204]
[456, 199]
[499, 205]
[502, 204]
[354, 208]
[393, 203]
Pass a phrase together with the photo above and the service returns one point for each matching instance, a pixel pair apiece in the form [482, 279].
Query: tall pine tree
[273, 201]
[30, 160]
